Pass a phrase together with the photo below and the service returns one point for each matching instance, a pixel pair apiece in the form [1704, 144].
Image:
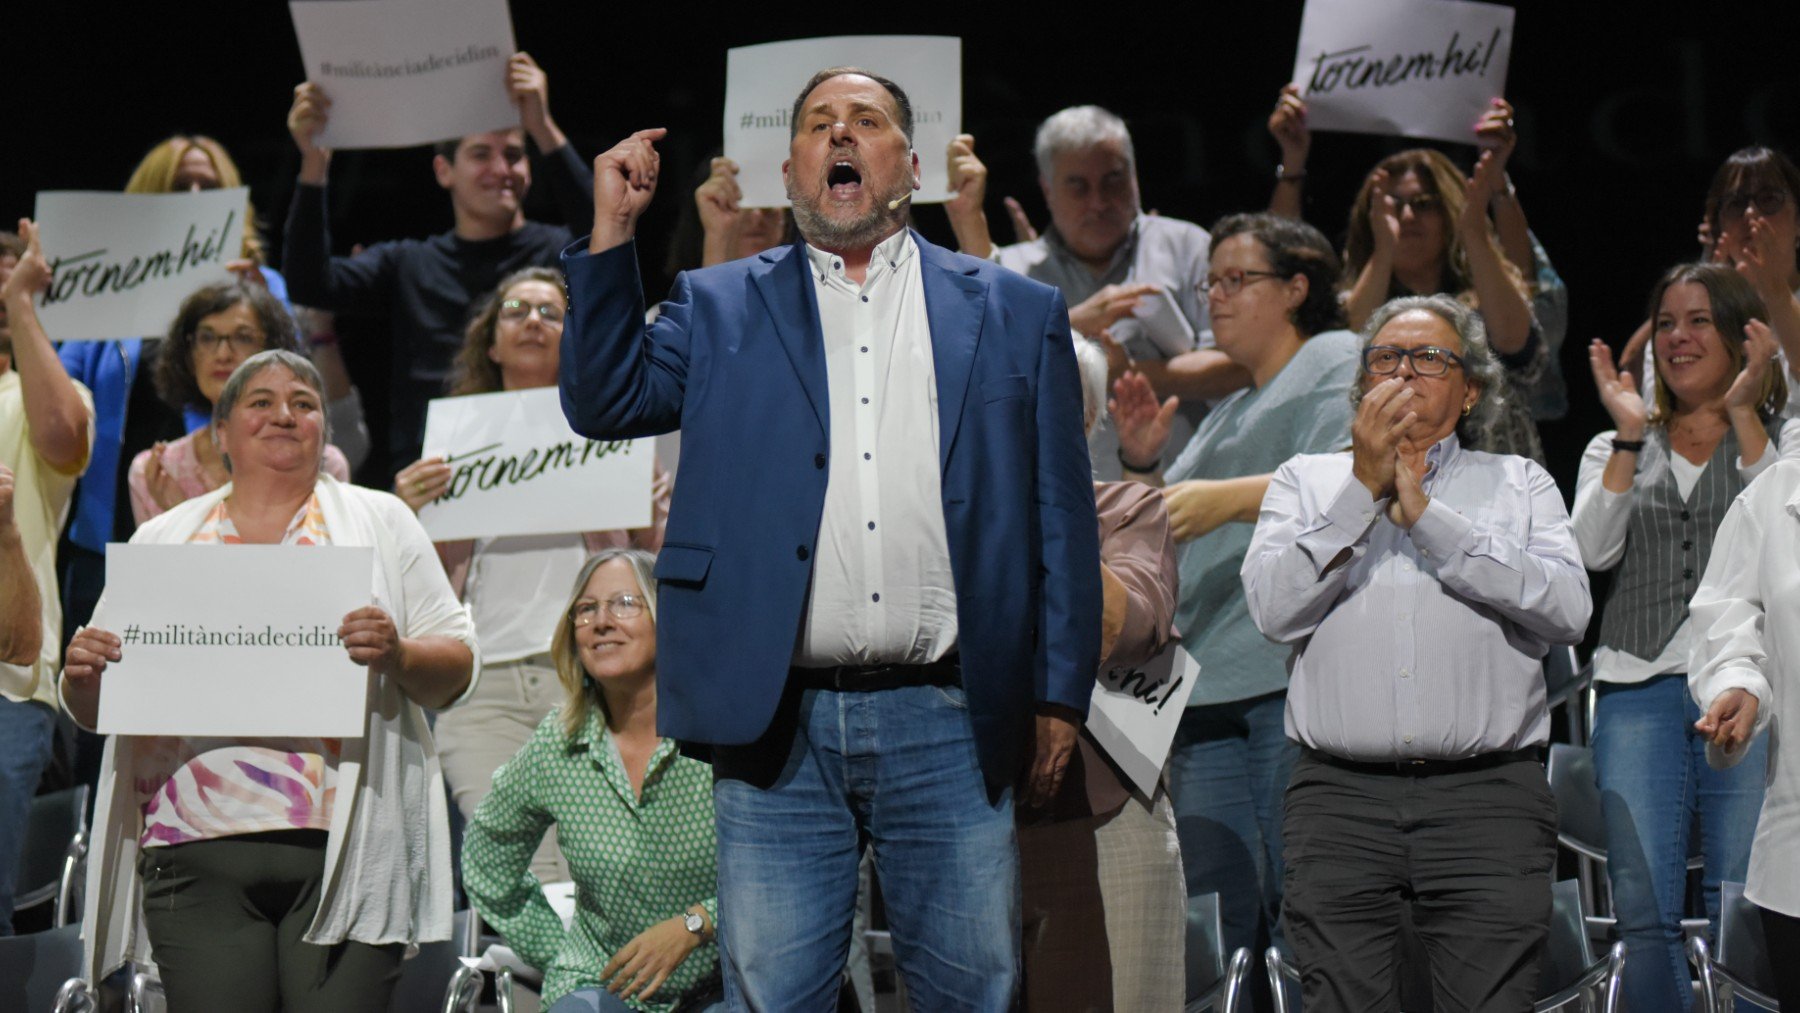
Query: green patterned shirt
[636, 861]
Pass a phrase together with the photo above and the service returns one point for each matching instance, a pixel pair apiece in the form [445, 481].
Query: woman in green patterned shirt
[634, 819]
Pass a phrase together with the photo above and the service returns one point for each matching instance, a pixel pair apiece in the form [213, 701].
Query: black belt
[871, 678]
[1427, 768]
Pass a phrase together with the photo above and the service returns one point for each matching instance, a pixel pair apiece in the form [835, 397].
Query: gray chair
[51, 860]
[1570, 971]
[422, 976]
[1580, 823]
[1566, 685]
[42, 971]
[1741, 972]
[1215, 980]
[1570, 968]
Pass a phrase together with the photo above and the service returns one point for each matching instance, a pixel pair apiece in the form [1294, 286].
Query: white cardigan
[387, 856]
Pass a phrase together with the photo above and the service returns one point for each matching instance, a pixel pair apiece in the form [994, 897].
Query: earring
[1467, 408]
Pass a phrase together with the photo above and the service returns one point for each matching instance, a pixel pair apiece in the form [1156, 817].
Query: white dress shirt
[1426, 643]
[882, 591]
[1746, 617]
[1601, 519]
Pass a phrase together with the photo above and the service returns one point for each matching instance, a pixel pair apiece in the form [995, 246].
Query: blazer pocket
[1005, 387]
[683, 564]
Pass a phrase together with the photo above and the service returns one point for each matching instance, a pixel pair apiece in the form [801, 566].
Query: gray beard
[863, 232]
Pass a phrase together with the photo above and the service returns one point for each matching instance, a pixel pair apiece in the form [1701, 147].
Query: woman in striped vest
[1649, 497]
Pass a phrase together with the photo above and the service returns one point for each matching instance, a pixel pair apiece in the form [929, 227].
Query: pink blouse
[182, 463]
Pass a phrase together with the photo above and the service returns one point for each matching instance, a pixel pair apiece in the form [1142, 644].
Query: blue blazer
[736, 361]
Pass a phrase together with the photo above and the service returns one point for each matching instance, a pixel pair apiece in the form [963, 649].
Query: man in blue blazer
[879, 591]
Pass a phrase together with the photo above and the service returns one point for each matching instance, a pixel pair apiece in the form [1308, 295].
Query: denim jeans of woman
[1656, 790]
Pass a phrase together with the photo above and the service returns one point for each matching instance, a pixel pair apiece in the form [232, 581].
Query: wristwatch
[694, 922]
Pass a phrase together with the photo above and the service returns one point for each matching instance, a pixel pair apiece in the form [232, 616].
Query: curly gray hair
[1479, 365]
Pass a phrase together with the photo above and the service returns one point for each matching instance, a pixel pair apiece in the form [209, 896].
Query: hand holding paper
[1287, 124]
[422, 481]
[624, 183]
[369, 635]
[89, 653]
[529, 88]
[32, 273]
[306, 120]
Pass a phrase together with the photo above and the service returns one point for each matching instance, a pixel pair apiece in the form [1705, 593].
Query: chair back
[33, 967]
[1205, 945]
[57, 819]
[1569, 952]
[425, 976]
[1579, 822]
[1742, 948]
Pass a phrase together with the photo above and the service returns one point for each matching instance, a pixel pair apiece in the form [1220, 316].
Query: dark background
[1624, 111]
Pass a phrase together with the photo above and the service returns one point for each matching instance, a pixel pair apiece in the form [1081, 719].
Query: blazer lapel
[787, 293]
[955, 306]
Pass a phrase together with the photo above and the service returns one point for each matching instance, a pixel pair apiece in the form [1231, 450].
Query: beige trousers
[478, 735]
[1104, 912]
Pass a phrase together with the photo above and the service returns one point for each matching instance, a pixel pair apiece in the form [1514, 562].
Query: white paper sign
[121, 263]
[234, 640]
[405, 72]
[761, 83]
[518, 469]
[1416, 68]
[1135, 710]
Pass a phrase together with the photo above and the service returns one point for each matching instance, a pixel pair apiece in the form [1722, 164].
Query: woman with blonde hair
[511, 584]
[635, 819]
[192, 162]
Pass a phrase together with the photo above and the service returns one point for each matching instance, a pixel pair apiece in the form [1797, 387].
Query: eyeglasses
[1767, 202]
[1427, 360]
[246, 341]
[514, 311]
[626, 606]
[1234, 280]
[1417, 203]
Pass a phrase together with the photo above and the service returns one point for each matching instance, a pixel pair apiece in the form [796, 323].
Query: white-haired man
[1109, 258]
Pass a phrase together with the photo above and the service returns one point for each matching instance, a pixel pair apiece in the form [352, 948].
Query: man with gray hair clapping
[1112, 263]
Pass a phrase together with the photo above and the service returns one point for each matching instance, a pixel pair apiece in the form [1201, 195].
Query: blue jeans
[24, 750]
[896, 769]
[1654, 781]
[599, 1000]
[1229, 770]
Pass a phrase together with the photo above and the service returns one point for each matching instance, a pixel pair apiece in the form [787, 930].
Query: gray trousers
[226, 918]
[1469, 853]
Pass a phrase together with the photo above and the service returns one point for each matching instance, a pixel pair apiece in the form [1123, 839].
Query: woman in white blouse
[1745, 673]
[1650, 494]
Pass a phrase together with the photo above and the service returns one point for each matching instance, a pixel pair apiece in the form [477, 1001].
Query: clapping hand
[1106, 307]
[1760, 348]
[1143, 424]
[1618, 392]
[1382, 421]
[1384, 213]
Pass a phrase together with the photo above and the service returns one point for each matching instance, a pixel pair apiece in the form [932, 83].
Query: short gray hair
[1091, 363]
[1479, 364]
[293, 362]
[1077, 128]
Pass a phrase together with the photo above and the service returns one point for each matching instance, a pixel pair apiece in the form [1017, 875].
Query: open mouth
[844, 181]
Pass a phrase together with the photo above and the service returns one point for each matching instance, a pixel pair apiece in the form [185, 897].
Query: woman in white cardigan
[293, 874]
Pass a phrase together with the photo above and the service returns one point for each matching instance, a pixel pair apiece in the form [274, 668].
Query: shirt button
[865, 348]
[1401, 617]
[1687, 546]
[1405, 673]
[865, 400]
[800, 553]
[1406, 738]
[819, 460]
[875, 597]
[1688, 573]
[1408, 568]
[865, 298]
[871, 525]
[1686, 516]
[867, 456]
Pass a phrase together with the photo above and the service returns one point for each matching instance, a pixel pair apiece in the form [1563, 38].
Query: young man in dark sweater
[425, 287]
